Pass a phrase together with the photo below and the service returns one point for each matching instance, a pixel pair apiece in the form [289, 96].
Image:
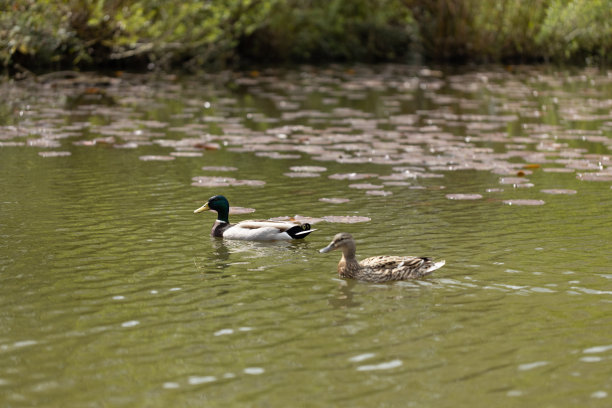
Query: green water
[112, 292]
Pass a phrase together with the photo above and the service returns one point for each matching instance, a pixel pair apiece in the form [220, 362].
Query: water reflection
[343, 297]
[224, 253]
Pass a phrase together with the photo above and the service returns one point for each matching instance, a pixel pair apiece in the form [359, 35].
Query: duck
[251, 230]
[382, 268]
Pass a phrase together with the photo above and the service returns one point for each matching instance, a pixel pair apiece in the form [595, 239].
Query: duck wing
[386, 268]
[260, 230]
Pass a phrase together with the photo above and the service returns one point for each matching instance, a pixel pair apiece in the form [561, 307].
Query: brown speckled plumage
[378, 268]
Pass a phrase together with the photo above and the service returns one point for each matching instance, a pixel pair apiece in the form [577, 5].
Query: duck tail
[432, 266]
[300, 231]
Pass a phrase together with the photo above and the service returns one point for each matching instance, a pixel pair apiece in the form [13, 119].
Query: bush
[196, 33]
[578, 29]
[82, 32]
[362, 30]
[35, 30]
[484, 30]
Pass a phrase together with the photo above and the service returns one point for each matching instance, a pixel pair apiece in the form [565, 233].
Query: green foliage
[506, 28]
[479, 29]
[334, 30]
[78, 32]
[53, 33]
[200, 31]
[34, 29]
[578, 28]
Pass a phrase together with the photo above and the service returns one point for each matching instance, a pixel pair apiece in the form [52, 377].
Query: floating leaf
[513, 180]
[43, 143]
[302, 175]
[54, 154]
[129, 145]
[300, 218]
[156, 158]
[600, 176]
[558, 170]
[210, 182]
[346, 219]
[219, 168]
[334, 200]
[464, 196]
[351, 176]
[276, 155]
[207, 146]
[241, 210]
[205, 181]
[365, 186]
[559, 191]
[308, 169]
[524, 202]
[381, 193]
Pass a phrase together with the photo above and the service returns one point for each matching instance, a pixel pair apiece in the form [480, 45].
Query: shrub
[578, 29]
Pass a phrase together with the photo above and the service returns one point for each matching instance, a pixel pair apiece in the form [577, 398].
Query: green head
[219, 204]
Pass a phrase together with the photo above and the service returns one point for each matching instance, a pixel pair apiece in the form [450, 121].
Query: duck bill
[202, 209]
[328, 248]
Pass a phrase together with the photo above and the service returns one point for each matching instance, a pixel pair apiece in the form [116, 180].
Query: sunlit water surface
[112, 292]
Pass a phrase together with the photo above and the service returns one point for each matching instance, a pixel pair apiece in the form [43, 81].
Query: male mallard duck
[251, 230]
[378, 268]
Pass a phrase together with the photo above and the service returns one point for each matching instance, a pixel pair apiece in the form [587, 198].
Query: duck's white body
[263, 231]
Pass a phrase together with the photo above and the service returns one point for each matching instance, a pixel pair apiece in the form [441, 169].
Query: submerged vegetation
[195, 33]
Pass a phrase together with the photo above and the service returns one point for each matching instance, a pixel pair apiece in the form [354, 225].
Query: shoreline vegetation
[43, 35]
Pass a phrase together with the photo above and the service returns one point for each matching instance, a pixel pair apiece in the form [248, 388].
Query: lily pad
[276, 155]
[346, 219]
[248, 183]
[219, 168]
[559, 191]
[351, 176]
[54, 154]
[381, 193]
[300, 218]
[599, 176]
[156, 158]
[365, 186]
[513, 180]
[334, 200]
[302, 175]
[464, 196]
[241, 210]
[558, 170]
[129, 145]
[524, 202]
[308, 169]
[42, 142]
[205, 181]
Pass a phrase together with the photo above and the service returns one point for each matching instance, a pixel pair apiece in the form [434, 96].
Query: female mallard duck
[251, 230]
[378, 268]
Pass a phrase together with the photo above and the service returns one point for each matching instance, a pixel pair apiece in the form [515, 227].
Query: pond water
[112, 292]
